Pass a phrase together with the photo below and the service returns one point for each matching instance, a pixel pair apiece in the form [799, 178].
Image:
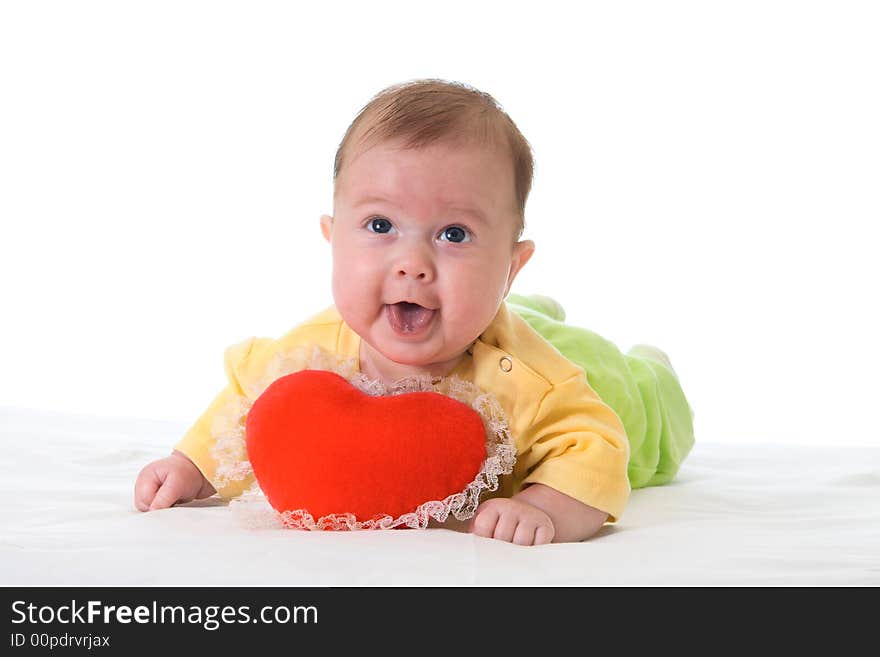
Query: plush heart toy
[317, 443]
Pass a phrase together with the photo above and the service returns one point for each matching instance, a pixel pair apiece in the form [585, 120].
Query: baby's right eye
[379, 225]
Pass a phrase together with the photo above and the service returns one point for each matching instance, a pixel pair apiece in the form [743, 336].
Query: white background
[706, 180]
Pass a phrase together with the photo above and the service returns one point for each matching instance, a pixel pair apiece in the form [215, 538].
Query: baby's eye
[455, 234]
[379, 225]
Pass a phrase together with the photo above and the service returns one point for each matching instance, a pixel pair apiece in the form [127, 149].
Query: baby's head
[430, 186]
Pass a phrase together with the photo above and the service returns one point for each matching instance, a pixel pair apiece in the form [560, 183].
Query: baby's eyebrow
[473, 212]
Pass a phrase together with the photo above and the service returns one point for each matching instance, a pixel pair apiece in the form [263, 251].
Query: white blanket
[736, 515]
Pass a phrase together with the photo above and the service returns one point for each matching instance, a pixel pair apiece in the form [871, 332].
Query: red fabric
[316, 442]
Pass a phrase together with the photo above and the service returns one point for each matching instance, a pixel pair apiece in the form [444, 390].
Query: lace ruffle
[230, 450]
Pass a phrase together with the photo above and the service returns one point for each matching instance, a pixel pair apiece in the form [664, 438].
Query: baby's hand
[513, 521]
[168, 481]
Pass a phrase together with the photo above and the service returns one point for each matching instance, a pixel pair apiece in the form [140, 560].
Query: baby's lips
[410, 301]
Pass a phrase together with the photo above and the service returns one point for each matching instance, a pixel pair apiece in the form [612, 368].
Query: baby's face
[433, 227]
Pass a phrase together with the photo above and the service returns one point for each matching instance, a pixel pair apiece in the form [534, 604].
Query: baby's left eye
[455, 234]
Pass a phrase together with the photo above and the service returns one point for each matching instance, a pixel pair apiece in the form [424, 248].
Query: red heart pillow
[317, 443]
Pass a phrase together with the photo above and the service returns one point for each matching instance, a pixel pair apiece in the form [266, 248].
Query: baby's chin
[410, 355]
[416, 358]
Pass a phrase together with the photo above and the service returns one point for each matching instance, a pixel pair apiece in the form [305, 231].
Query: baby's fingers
[169, 493]
[506, 527]
[148, 482]
[544, 535]
[525, 534]
[484, 523]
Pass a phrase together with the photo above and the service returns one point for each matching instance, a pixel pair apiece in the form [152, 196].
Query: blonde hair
[430, 110]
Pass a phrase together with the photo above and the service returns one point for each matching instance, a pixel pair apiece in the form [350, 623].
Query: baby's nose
[414, 271]
[417, 264]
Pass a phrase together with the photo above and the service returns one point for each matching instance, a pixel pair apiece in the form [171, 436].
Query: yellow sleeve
[197, 442]
[579, 447]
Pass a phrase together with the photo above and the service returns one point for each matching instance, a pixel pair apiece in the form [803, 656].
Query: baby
[430, 186]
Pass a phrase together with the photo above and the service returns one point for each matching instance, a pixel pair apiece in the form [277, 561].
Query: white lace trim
[230, 450]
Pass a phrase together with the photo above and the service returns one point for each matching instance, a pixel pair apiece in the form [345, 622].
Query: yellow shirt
[565, 436]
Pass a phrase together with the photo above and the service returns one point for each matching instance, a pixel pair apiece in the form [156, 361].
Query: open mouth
[409, 318]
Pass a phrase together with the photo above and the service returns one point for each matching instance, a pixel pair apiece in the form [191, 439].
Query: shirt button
[505, 364]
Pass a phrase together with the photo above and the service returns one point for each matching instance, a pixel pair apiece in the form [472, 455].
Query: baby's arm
[536, 515]
[166, 482]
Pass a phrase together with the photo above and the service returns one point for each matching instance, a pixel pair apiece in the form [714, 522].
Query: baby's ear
[522, 253]
[326, 226]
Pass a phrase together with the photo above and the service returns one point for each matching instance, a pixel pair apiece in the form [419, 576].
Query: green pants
[643, 391]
